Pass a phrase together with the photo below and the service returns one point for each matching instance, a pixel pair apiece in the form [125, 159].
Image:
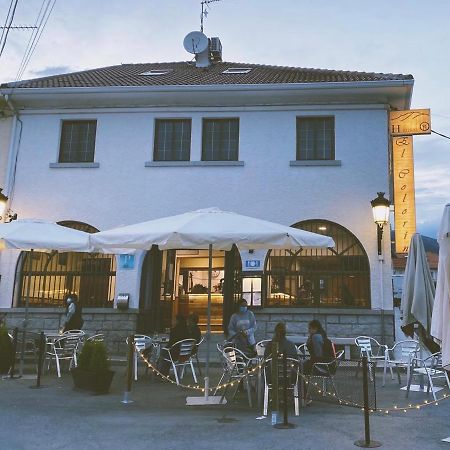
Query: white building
[133, 142]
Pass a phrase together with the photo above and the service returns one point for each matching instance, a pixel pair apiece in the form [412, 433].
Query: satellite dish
[195, 42]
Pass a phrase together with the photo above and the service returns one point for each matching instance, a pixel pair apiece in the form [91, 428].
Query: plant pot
[97, 382]
[6, 358]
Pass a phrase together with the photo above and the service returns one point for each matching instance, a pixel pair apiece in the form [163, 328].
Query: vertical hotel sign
[404, 198]
[404, 124]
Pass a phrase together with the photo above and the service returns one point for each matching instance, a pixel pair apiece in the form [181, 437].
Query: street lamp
[380, 209]
[3, 201]
[5, 213]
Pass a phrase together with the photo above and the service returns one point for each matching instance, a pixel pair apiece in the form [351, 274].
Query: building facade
[124, 144]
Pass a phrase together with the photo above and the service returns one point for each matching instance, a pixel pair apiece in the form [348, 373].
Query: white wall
[123, 191]
[5, 138]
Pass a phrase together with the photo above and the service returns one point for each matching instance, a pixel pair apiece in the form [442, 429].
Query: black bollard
[285, 425]
[129, 377]
[41, 351]
[14, 343]
[366, 442]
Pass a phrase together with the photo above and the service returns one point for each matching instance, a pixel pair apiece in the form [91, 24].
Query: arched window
[91, 276]
[338, 277]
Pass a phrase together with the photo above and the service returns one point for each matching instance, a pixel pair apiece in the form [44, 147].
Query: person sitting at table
[319, 346]
[178, 333]
[285, 346]
[74, 320]
[242, 328]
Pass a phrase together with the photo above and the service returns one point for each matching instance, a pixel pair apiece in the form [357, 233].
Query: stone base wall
[114, 324]
[342, 323]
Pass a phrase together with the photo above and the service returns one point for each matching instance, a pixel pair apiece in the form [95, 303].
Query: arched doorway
[338, 277]
[175, 282]
[91, 276]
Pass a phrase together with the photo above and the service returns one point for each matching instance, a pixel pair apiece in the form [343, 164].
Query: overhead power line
[41, 22]
[7, 26]
[440, 134]
[19, 27]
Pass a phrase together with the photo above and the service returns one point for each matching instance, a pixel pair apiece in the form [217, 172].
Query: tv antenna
[205, 12]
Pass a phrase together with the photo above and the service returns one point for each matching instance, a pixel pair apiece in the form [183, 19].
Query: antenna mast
[204, 14]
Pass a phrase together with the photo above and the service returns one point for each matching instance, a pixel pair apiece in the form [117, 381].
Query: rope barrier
[250, 372]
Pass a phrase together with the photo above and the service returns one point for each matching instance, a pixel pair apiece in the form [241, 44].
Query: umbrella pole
[25, 322]
[208, 320]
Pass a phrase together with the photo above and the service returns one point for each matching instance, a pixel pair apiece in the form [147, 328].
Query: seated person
[242, 328]
[317, 345]
[179, 332]
[285, 346]
[194, 330]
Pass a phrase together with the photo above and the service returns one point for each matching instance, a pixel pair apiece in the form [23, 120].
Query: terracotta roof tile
[185, 73]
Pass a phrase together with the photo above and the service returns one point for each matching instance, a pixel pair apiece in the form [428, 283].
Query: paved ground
[57, 417]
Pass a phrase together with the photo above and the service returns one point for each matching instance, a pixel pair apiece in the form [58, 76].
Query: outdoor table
[347, 343]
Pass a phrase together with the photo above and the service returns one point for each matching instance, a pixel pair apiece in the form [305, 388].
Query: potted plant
[93, 371]
[6, 350]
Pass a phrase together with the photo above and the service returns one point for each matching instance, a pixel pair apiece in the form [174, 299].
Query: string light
[315, 385]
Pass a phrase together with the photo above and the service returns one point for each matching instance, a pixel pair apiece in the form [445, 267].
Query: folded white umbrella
[418, 289]
[208, 229]
[440, 325]
[199, 229]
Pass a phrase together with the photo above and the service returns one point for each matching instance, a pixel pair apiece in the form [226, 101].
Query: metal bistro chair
[197, 348]
[431, 367]
[141, 343]
[292, 381]
[185, 349]
[399, 356]
[325, 371]
[96, 338]
[235, 366]
[303, 351]
[63, 349]
[261, 347]
[374, 351]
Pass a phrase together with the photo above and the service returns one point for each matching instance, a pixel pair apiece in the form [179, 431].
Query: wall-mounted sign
[126, 262]
[404, 194]
[252, 264]
[253, 260]
[409, 122]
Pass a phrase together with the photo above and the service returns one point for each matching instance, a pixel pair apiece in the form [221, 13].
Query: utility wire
[5, 27]
[440, 134]
[41, 22]
[11, 17]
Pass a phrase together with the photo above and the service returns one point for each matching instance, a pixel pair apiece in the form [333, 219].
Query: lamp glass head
[380, 209]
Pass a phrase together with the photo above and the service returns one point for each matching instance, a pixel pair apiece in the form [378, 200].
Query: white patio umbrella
[440, 326]
[418, 289]
[209, 229]
[38, 235]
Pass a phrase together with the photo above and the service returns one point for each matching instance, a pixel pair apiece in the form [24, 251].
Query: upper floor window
[77, 141]
[220, 140]
[172, 140]
[315, 138]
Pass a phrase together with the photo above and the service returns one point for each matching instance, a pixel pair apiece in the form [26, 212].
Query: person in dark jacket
[193, 328]
[315, 345]
[74, 320]
[284, 344]
[178, 333]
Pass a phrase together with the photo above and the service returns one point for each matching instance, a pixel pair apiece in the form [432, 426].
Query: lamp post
[380, 210]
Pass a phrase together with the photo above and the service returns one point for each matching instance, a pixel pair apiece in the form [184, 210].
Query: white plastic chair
[141, 343]
[292, 382]
[63, 349]
[185, 358]
[399, 356]
[431, 367]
